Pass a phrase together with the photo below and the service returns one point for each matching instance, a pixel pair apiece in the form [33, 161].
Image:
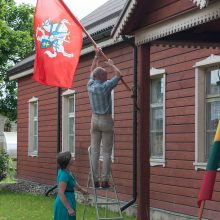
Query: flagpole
[90, 38]
[201, 210]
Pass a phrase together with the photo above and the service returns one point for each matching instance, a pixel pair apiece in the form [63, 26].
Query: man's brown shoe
[97, 184]
[105, 184]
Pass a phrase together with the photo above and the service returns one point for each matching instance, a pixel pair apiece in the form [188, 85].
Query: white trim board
[21, 74]
[201, 3]
[125, 19]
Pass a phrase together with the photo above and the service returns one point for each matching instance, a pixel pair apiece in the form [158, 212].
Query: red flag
[58, 39]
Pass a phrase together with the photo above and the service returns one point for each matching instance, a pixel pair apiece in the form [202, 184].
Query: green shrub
[4, 161]
[11, 168]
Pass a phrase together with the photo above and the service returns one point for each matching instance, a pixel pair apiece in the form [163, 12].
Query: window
[157, 115]
[207, 107]
[212, 106]
[68, 123]
[33, 127]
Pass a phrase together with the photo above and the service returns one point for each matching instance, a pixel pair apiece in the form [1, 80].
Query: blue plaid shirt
[100, 95]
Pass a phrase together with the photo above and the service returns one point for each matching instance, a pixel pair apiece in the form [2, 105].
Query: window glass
[71, 125]
[156, 117]
[68, 126]
[71, 104]
[35, 109]
[212, 107]
[35, 143]
[213, 82]
[33, 127]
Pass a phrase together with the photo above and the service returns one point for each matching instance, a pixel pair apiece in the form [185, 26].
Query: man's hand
[98, 51]
[116, 70]
[110, 62]
[95, 62]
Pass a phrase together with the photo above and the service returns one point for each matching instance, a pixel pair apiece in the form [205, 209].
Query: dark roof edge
[23, 67]
[115, 14]
[130, 3]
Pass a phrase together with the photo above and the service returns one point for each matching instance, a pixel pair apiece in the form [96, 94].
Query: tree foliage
[3, 163]
[16, 41]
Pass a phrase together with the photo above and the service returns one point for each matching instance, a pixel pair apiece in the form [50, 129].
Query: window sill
[73, 156]
[32, 154]
[157, 162]
[200, 166]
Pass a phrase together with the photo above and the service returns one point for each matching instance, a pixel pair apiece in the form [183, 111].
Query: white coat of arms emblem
[52, 36]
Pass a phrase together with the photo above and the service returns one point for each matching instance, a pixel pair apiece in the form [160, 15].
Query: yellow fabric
[217, 133]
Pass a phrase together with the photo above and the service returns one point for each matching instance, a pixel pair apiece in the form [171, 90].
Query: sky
[80, 8]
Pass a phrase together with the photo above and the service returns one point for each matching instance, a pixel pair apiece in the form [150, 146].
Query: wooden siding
[160, 10]
[43, 168]
[176, 187]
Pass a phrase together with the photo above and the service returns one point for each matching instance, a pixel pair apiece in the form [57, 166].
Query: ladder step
[113, 218]
[103, 203]
[107, 203]
[100, 188]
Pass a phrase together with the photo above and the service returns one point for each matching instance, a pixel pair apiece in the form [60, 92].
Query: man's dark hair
[63, 159]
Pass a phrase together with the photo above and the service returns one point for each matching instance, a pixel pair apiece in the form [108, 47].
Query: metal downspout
[58, 134]
[135, 110]
[58, 120]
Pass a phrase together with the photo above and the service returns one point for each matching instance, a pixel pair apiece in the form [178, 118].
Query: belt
[70, 191]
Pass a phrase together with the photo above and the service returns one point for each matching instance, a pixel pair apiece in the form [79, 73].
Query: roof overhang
[177, 24]
[22, 74]
[201, 3]
[167, 27]
[123, 18]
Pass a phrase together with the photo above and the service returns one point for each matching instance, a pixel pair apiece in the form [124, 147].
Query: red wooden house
[173, 49]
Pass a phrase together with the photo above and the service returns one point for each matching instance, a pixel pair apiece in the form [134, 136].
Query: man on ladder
[102, 124]
[102, 130]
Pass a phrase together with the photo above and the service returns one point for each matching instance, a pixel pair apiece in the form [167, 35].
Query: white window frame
[200, 71]
[31, 149]
[155, 73]
[65, 118]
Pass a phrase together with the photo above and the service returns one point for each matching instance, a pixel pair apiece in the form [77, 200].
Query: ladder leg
[107, 202]
[116, 195]
[93, 184]
[85, 205]
[106, 205]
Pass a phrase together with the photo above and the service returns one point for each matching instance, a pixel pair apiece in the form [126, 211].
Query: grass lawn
[35, 207]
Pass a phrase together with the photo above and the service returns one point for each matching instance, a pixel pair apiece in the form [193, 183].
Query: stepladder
[102, 199]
